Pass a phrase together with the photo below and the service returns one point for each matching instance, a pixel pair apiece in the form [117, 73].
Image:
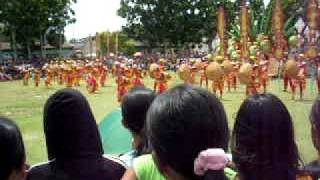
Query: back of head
[135, 105]
[70, 128]
[263, 139]
[183, 122]
[12, 152]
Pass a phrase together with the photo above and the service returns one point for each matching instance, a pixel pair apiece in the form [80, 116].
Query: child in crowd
[313, 168]
[12, 153]
[263, 145]
[135, 105]
[183, 124]
[73, 142]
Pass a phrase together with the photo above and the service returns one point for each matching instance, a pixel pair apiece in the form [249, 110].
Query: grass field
[24, 104]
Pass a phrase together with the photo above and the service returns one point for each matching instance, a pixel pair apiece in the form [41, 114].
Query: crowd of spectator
[181, 134]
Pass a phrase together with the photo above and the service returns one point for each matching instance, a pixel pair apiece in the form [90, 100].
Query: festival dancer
[92, 84]
[300, 80]
[37, 77]
[49, 77]
[203, 75]
[263, 74]
[26, 75]
[253, 86]
[103, 77]
[137, 78]
[163, 82]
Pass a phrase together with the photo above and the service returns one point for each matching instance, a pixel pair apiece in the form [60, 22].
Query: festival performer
[103, 77]
[123, 87]
[300, 80]
[49, 76]
[287, 81]
[37, 77]
[263, 74]
[203, 75]
[92, 84]
[69, 77]
[26, 75]
[163, 82]
[137, 78]
[218, 85]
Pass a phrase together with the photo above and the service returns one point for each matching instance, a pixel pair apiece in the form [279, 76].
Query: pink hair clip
[211, 159]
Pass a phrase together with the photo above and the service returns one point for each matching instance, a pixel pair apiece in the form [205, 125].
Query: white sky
[96, 16]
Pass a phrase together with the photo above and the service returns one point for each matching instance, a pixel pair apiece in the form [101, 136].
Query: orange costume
[300, 81]
[26, 76]
[123, 87]
[263, 75]
[204, 76]
[49, 77]
[69, 78]
[92, 84]
[37, 76]
[253, 86]
[218, 86]
[163, 82]
[137, 79]
[103, 77]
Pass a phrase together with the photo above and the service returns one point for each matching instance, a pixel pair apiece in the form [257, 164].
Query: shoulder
[115, 161]
[145, 168]
[39, 171]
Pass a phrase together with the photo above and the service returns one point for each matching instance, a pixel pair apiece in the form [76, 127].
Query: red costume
[92, 85]
[263, 75]
[204, 76]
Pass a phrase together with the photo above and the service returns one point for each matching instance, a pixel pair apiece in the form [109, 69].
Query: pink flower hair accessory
[211, 159]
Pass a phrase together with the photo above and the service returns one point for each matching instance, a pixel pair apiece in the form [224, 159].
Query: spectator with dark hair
[313, 168]
[12, 153]
[135, 105]
[263, 145]
[73, 142]
[188, 131]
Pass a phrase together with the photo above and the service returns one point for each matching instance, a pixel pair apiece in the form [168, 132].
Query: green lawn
[24, 104]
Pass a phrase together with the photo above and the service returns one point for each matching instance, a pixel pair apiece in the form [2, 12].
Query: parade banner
[278, 28]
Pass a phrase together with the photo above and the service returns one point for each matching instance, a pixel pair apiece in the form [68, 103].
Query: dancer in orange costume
[26, 76]
[253, 86]
[103, 77]
[300, 80]
[263, 74]
[49, 77]
[157, 75]
[163, 82]
[92, 84]
[236, 69]
[218, 86]
[123, 87]
[203, 76]
[37, 76]
[287, 82]
[193, 74]
[137, 79]
[69, 77]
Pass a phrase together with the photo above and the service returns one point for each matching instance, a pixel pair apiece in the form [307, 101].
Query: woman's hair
[12, 152]
[263, 145]
[135, 105]
[70, 128]
[183, 122]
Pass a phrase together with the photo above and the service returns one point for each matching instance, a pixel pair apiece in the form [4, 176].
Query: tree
[26, 21]
[172, 23]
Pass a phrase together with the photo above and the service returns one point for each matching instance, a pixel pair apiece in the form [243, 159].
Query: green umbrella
[115, 138]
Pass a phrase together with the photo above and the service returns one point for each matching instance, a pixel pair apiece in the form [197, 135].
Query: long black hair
[135, 105]
[263, 144]
[183, 122]
[12, 152]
